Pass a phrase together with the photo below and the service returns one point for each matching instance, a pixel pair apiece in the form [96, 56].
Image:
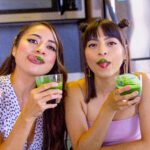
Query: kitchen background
[66, 16]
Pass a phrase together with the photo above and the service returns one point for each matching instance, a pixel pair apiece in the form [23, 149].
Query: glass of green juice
[134, 80]
[41, 80]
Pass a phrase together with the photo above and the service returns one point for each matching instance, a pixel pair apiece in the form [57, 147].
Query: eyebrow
[40, 38]
[96, 39]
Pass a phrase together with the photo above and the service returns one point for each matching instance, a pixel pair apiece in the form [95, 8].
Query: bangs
[91, 33]
[111, 30]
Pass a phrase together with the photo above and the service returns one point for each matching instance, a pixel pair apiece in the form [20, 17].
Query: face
[37, 42]
[104, 55]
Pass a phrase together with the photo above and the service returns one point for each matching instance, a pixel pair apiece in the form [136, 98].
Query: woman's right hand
[116, 101]
[37, 101]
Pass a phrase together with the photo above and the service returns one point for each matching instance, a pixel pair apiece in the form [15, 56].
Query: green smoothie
[129, 79]
[44, 80]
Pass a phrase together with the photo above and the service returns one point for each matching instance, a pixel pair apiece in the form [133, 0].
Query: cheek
[88, 56]
[52, 59]
[117, 62]
[23, 49]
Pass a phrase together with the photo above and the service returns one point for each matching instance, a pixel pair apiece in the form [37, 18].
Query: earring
[125, 66]
[88, 72]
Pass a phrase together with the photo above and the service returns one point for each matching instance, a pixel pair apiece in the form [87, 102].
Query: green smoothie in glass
[41, 80]
[129, 79]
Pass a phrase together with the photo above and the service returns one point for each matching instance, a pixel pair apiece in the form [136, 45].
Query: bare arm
[144, 111]
[35, 106]
[81, 136]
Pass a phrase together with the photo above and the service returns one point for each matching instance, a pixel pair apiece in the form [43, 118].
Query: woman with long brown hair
[27, 119]
[98, 115]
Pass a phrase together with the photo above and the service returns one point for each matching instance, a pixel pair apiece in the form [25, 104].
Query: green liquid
[133, 88]
[60, 85]
[129, 79]
[45, 81]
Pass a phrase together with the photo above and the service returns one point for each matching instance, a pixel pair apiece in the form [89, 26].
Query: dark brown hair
[54, 128]
[110, 29]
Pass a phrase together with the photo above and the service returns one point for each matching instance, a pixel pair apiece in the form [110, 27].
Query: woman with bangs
[27, 120]
[98, 116]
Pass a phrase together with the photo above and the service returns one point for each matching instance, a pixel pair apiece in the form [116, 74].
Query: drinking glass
[134, 80]
[44, 79]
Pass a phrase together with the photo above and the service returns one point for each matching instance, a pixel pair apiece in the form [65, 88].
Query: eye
[92, 45]
[51, 48]
[111, 43]
[32, 41]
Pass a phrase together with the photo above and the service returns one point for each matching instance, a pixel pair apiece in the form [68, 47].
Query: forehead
[41, 30]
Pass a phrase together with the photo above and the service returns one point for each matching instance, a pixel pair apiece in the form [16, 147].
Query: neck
[105, 85]
[22, 84]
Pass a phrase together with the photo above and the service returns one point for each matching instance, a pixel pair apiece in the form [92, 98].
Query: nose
[40, 49]
[102, 50]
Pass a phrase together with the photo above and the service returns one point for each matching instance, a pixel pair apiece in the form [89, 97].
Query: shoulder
[75, 90]
[145, 87]
[75, 86]
[144, 76]
[5, 86]
[4, 80]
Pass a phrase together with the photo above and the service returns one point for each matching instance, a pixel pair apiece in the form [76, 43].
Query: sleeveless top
[9, 112]
[120, 131]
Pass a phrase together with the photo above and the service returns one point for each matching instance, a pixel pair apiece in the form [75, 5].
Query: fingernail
[136, 92]
[55, 84]
[57, 100]
[138, 98]
[124, 100]
[128, 87]
[54, 105]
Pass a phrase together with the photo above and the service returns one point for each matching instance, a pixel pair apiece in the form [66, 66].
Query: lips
[103, 63]
[35, 59]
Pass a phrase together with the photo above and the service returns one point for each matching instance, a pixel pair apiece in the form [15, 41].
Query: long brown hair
[54, 128]
[110, 29]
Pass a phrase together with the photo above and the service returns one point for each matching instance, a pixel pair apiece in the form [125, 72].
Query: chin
[37, 72]
[105, 74]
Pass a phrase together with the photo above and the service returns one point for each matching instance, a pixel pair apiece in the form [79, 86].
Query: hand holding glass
[134, 80]
[41, 80]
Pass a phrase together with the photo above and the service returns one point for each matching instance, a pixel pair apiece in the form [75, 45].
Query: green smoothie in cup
[47, 79]
[41, 80]
[39, 83]
[129, 79]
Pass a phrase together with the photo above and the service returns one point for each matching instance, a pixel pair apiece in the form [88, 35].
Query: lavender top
[122, 131]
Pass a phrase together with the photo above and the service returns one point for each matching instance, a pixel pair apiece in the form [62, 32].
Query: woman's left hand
[116, 101]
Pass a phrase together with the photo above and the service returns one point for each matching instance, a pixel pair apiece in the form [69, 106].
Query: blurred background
[66, 15]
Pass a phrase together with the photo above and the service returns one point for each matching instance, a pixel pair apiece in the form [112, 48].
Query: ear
[14, 51]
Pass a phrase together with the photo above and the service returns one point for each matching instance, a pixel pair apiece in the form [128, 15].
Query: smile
[35, 59]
